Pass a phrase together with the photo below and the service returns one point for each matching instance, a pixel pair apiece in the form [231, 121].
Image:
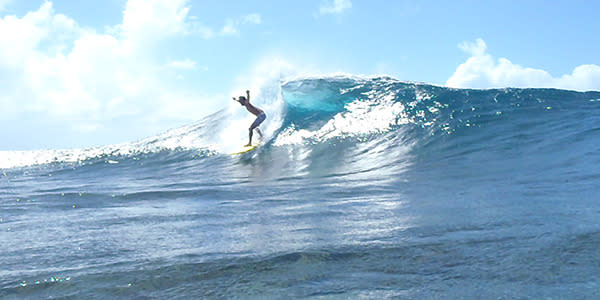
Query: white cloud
[53, 65]
[20, 37]
[334, 7]
[153, 20]
[475, 49]
[231, 26]
[482, 70]
[50, 66]
[252, 19]
[186, 64]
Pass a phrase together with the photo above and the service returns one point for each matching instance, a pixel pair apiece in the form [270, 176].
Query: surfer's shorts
[258, 120]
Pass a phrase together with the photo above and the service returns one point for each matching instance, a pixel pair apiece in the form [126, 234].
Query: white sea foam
[379, 113]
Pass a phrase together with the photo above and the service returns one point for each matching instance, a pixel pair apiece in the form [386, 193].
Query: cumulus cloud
[231, 26]
[482, 70]
[51, 66]
[89, 76]
[155, 19]
[334, 7]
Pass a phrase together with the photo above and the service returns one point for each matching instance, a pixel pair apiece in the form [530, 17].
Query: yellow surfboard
[246, 149]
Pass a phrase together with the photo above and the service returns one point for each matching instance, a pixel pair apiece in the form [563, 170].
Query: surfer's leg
[250, 137]
[257, 122]
[254, 125]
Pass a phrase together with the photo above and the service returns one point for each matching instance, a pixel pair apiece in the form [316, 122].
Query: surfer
[259, 113]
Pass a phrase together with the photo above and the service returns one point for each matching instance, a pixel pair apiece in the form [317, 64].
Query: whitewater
[364, 188]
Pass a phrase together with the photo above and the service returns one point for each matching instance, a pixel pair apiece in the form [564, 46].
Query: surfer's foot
[247, 145]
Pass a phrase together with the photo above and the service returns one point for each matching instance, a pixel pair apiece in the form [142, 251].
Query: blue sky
[84, 73]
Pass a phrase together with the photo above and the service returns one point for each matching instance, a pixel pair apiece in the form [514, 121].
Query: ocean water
[364, 188]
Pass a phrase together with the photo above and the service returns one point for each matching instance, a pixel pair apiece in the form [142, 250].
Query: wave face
[363, 188]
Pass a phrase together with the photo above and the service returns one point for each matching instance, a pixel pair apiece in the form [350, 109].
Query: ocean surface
[364, 188]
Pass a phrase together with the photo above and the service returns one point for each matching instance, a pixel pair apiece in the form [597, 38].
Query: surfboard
[245, 149]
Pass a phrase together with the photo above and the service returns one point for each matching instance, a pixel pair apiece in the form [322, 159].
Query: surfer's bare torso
[253, 109]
